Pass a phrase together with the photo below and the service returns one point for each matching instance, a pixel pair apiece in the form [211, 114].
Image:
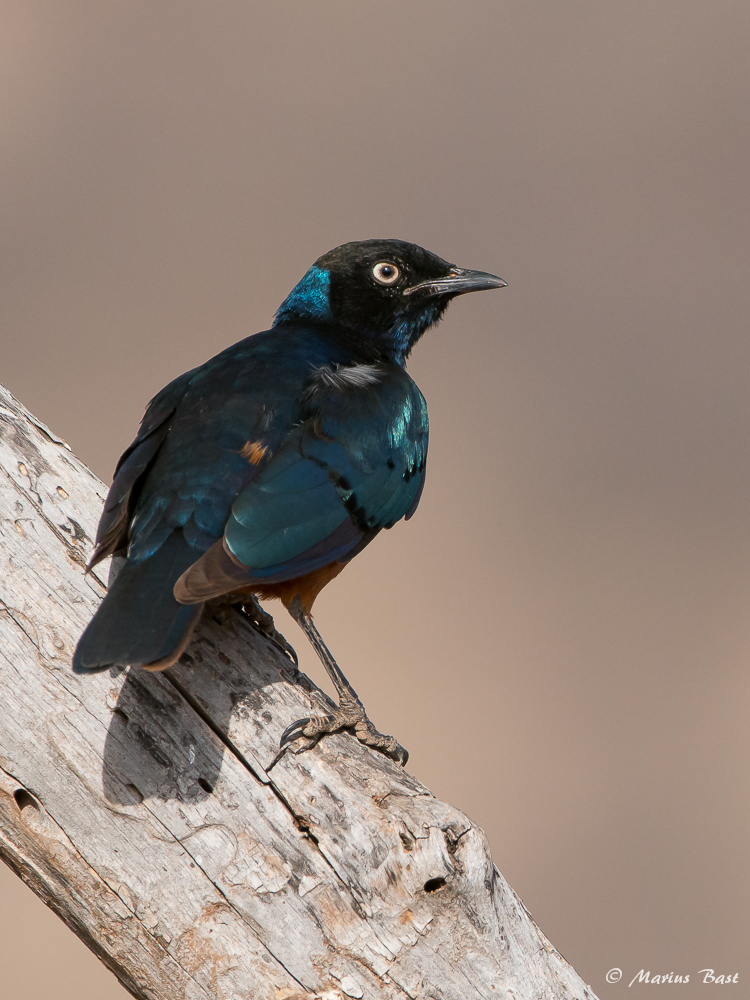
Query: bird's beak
[457, 281]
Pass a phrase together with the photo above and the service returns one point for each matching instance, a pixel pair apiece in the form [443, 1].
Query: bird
[261, 473]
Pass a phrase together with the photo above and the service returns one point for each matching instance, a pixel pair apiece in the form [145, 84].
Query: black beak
[457, 281]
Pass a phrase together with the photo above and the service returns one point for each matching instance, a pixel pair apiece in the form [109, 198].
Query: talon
[293, 732]
[385, 744]
[349, 715]
[290, 734]
[258, 616]
[263, 622]
[280, 642]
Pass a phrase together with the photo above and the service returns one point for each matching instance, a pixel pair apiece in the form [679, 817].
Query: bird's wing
[112, 533]
[355, 465]
[202, 440]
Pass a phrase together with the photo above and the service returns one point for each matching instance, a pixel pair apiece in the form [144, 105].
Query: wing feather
[354, 466]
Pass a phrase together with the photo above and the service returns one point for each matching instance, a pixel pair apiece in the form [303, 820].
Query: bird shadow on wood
[159, 744]
[154, 749]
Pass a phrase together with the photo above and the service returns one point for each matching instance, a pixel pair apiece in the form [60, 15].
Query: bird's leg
[263, 622]
[350, 713]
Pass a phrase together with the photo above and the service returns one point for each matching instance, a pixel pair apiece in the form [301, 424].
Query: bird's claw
[263, 623]
[349, 715]
[293, 732]
[278, 640]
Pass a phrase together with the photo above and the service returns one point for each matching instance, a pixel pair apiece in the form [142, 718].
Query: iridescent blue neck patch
[309, 299]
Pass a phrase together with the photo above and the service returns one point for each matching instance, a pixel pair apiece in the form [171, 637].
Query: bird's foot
[349, 715]
[263, 623]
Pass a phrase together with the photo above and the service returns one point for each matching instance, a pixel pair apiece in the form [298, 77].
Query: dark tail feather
[139, 622]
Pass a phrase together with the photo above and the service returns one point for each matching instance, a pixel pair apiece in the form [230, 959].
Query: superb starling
[262, 472]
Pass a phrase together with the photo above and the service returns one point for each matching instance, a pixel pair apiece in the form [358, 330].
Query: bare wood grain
[139, 807]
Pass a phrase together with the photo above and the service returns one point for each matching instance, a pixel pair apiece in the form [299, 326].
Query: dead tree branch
[137, 805]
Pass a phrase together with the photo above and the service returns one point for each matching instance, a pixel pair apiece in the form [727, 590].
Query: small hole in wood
[25, 799]
[407, 842]
[122, 716]
[135, 792]
[433, 884]
[205, 785]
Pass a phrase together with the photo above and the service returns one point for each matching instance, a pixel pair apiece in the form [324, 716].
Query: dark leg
[263, 622]
[351, 712]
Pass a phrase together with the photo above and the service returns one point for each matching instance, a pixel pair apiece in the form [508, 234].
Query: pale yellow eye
[386, 273]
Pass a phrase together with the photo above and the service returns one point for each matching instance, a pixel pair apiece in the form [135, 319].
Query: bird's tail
[139, 622]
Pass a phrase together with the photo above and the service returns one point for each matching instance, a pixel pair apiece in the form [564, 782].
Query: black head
[386, 291]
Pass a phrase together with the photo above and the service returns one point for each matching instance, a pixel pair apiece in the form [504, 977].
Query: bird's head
[385, 291]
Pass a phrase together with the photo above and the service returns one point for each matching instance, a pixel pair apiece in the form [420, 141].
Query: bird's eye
[385, 273]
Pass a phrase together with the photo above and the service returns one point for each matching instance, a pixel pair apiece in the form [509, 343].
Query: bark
[138, 806]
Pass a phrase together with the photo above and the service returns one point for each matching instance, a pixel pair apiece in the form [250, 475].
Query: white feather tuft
[328, 379]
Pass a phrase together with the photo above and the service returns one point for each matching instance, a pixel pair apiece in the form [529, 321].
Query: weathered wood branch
[137, 805]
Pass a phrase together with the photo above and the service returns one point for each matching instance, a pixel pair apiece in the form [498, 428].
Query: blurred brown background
[561, 636]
